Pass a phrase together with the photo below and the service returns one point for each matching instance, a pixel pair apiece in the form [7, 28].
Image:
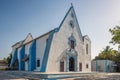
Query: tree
[115, 32]
[110, 54]
[107, 54]
[8, 59]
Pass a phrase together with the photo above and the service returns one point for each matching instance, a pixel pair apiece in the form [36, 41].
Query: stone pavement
[24, 75]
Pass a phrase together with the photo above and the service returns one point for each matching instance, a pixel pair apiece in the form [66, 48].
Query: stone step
[62, 75]
[37, 69]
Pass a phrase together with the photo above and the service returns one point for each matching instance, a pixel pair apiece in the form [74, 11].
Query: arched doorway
[71, 64]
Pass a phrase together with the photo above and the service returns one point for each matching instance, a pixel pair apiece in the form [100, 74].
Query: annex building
[63, 49]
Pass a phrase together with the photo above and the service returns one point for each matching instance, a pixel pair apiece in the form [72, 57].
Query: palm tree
[107, 53]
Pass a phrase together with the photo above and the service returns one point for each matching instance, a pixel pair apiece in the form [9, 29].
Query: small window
[86, 48]
[87, 66]
[38, 63]
[72, 44]
[71, 24]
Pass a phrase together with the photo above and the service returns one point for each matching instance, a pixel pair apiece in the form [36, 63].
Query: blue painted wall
[22, 55]
[106, 65]
[14, 58]
[96, 65]
[46, 54]
[32, 56]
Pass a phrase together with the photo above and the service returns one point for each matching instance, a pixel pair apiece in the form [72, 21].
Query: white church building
[63, 49]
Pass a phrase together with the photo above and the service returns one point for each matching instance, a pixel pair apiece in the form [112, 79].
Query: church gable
[70, 22]
[69, 27]
[67, 42]
[28, 38]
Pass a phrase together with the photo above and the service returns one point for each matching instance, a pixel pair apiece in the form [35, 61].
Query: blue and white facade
[103, 66]
[63, 49]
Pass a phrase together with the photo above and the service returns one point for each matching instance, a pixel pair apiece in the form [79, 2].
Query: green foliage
[107, 54]
[115, 32]
[8, 59]
[117, 61]
[3, 69]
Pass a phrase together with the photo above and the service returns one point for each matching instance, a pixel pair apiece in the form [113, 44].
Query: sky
[20, 17]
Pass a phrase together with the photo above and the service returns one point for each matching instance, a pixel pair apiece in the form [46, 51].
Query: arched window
[38, 63]
[72, 44]
[87, 66]
[86, 48]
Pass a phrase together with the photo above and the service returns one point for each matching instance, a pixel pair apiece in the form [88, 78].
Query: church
[63, 49]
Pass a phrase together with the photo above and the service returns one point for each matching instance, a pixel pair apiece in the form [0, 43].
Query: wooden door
[71, 64]
[80, 66]
[61, 66]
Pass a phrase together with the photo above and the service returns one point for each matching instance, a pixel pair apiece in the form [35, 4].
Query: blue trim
[46, 54]
[14, 58]
[78, 25]
[106, 65]
[64, 18]
[32, 56]
[22, 55]
[75, 19]
[96, 65]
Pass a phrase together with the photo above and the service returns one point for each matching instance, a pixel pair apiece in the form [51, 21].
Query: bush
[2, 69]
[11, 68]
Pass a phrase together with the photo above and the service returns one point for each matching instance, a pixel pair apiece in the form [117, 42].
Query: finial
[71, 4]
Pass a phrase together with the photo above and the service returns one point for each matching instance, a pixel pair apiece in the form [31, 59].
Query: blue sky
[20, 17]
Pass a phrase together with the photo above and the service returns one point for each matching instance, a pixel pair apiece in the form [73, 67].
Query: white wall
[28, 38]
[102, 66]
[14, 47]
[60, 43]
[19, 53]
[27, 46]
[40, 48]
[87, 57]
[93, 65]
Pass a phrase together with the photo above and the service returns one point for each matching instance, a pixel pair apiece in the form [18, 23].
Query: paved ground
[18, 75]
